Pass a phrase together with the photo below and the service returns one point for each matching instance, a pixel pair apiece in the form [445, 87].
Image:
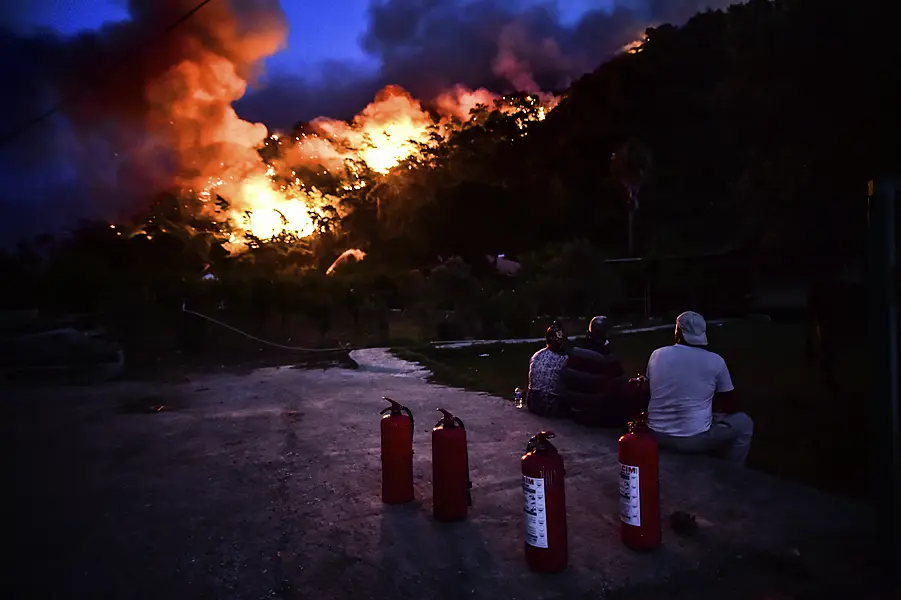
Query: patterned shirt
[544, 371]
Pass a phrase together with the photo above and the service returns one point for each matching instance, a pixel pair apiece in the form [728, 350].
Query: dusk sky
[326, 30]
[319, 31]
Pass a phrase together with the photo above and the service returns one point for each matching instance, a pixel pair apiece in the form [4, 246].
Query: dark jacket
[592, 369]
[594, 382]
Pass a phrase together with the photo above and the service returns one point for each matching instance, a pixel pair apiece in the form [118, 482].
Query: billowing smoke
[428, 46]
[176, 96]
[144, 112]
[147, 105]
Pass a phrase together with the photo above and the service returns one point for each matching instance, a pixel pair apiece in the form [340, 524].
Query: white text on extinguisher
[534, 511]
[629, 495]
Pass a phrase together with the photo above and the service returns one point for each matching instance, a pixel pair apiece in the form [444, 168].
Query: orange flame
[635, 46]
[386, 132]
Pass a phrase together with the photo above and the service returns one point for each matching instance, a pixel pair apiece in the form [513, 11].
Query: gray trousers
[729, 437]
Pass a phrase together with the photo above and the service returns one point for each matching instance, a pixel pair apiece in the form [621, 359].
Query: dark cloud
[335, 89]
[141, 103]
[427, 46]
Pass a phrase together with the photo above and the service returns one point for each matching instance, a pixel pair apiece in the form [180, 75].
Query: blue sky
[331, 29]
[323, 30]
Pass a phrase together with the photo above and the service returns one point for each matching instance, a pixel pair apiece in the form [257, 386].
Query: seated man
[597, 391]
[543, 396]
[683, 380]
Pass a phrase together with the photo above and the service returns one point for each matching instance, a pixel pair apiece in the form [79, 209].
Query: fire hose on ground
[346, 348]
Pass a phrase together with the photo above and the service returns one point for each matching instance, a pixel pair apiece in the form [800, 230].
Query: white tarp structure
[505, 266]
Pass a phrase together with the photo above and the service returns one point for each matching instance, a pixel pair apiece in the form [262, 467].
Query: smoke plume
[146, 105]
[429, 46]
[143, 112]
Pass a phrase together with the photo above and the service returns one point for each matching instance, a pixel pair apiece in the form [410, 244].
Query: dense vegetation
[757, 128]
[751, 131]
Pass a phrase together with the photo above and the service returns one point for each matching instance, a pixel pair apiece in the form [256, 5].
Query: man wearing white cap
[684, 380]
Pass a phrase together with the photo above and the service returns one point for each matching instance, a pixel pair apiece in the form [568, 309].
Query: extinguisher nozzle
[447, 416]
[395, 407]
[539, 440]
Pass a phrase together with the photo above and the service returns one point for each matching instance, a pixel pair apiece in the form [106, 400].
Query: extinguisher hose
[412, 423]
[468, 479]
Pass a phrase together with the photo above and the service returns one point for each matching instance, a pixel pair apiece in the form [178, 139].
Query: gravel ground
[265, 485]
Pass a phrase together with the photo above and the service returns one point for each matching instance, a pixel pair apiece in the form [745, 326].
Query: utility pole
[882, 281]
[630, 165]
[633, 205]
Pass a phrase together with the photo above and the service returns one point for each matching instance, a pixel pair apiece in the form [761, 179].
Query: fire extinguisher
[639, 487]
[397, 454]
[451, 486]
[544, 506]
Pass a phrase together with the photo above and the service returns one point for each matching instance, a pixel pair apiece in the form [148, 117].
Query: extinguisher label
[535, 511]
[629, 496]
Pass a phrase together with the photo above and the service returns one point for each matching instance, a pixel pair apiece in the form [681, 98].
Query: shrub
[572, 279]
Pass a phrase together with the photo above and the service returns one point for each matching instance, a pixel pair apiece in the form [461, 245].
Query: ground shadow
[423, 558]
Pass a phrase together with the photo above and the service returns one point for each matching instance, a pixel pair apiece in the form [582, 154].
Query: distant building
[505, 266]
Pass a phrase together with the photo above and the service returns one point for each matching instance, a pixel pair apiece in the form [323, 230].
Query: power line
[14, 133]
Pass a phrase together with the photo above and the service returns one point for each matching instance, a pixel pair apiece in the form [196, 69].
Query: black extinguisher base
[397, 502]
[451, 520]
[547, 569]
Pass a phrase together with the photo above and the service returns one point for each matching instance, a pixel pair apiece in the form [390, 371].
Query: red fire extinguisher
[451, 486]
[544, 506]
[639, 487]
[397, 454]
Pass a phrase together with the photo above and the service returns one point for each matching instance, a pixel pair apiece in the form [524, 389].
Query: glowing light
[270, 198]
[635, 47]
[344, 258]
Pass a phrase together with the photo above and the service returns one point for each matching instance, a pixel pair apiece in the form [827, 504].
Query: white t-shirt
[683, 380]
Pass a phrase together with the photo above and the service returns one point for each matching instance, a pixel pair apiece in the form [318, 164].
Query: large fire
[171, 104]
[386, 132]
[176, 101]
[271, 211]
[383, 134]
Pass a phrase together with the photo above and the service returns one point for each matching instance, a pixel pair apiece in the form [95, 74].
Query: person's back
[544, 371]
[683, 380]
[591, 368]
[543, 394]
[596, 390]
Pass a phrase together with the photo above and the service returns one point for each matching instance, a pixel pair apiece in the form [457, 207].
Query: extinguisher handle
[447, 419]
[537, 439]
[395, 407]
